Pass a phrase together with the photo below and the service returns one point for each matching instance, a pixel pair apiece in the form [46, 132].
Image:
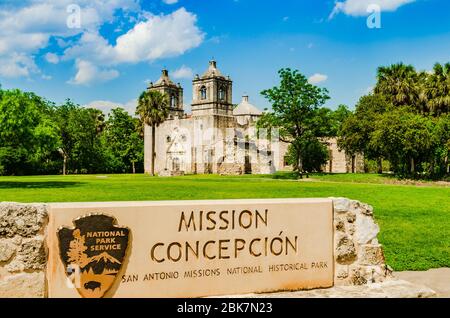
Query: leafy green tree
[357, 129]
[80, 130]
[153, 110]
[338, 117]
[440, 163]
[28, 135]
[314, 154]
[405, 139]
[124, 140]
[295, 110]
[65, 116]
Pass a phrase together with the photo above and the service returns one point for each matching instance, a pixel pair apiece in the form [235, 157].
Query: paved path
[393, 288]
[436, 279]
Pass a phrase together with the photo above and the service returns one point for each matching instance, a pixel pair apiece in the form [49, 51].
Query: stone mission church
[217, 137]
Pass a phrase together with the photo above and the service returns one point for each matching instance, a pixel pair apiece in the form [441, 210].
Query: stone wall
[22, 250]
[340, 161]
[359, 258]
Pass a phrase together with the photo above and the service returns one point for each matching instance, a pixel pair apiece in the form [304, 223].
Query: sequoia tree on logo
[96, 249]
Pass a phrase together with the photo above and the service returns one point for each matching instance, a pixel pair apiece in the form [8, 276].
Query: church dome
[245, 108]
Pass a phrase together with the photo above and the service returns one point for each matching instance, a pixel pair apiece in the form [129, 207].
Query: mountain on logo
[103, 263]
[105, 257]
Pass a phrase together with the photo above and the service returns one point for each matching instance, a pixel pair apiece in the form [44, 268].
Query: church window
[221, 93]
[173, 101]
[203, 93]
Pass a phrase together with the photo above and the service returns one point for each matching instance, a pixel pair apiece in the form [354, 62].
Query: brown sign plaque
[189, 248]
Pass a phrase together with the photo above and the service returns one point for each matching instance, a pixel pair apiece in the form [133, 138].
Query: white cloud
[154, 38]
[359, 7]
[317, 78]
[170, 1]
[52, 58]
[17, 65]
[183, 72]
[106, 106]
[87, 73]
[21, 42]
[159, 37]
[27, 26]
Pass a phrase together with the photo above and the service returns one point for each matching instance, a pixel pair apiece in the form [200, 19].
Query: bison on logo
[93, 253]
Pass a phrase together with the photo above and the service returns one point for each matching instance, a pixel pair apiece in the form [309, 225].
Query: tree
[79, 130]
[124, 140]
[338, 117]
[64, 117]
[441, 136]
[28, 135]
[399, 83]
[357, 129]
[314, 154]
[153, 110]
[405, 139]
[295, 109]
[436, 90]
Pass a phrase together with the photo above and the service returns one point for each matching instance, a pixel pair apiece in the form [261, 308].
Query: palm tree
[153, 110]
[400, 84]
[437, 89]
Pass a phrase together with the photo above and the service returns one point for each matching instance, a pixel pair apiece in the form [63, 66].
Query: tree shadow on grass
[38, 185]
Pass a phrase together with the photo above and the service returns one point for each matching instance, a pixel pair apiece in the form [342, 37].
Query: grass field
[414, 220]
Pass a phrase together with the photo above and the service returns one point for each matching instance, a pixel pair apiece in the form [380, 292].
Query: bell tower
[212, 93]
[173, 91]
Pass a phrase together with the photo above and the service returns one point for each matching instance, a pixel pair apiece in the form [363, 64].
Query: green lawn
[414, 220]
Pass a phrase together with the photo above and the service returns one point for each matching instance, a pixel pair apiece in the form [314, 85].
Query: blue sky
[121, 44]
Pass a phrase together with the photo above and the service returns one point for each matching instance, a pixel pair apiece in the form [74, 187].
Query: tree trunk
[413, 166]
[353, 163]
[447, 166]
[300, 166]
[380, 165]
[64, 165]
[153, 149]
[134, 167]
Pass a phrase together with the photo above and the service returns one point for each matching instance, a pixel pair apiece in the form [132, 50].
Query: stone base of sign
[360, 269]
[23, 255]
[391, 288]
[359, 258]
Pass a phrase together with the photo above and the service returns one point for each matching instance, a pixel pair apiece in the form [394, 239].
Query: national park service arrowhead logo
[93, 253]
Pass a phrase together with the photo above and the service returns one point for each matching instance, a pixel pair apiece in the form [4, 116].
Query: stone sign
[189, 248]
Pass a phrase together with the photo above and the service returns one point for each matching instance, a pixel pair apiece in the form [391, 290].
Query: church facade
[217, 137]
